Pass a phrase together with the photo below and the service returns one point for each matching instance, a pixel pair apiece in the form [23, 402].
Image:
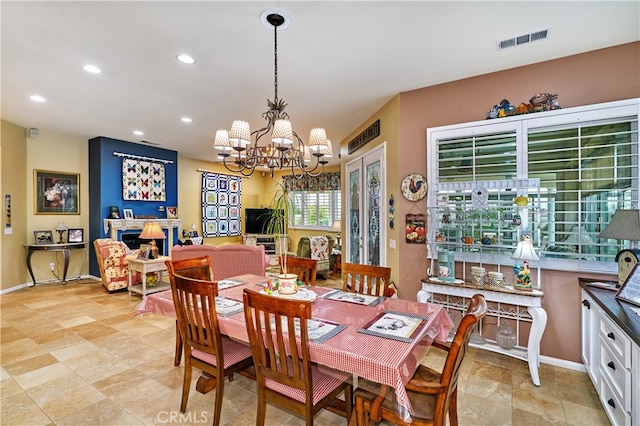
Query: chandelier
[243, 151]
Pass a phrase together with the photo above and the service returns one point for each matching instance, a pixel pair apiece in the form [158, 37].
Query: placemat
[226, 307]
[226, 283]
[395, 325]
[360, 299]
[319, 331]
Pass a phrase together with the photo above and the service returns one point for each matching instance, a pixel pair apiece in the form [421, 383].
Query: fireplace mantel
[115, 225]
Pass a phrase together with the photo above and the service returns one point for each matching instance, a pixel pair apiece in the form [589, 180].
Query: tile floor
[74, 354]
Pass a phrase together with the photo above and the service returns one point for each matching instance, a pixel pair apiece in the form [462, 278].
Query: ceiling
[338, 62]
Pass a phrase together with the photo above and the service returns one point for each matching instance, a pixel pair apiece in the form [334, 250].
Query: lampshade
[525, 250]
[282, 132]
[336, 227]
[317, 139]
[327, 151]
[61, 226]
[624, 225]
[221, 141]
[240, 134]
[152, 231]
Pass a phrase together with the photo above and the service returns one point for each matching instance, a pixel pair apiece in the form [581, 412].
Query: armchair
[112, 261]
[318, 248]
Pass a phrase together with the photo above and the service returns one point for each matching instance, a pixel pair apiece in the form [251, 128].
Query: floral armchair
[318, 248]
[112, 261]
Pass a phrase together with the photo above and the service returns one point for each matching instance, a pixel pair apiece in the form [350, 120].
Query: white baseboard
[54, 281]
[557, 362]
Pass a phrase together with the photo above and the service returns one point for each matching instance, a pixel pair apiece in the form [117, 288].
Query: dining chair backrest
[198, 267]
[366, 279]
[304, 268]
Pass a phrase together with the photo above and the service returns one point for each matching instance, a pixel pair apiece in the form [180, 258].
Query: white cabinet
[273, 244]
[590, 327]
[611, 354]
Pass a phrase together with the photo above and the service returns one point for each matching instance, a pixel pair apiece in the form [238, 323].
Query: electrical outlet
[52, 266]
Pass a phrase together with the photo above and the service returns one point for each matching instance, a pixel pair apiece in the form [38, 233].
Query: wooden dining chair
[304, 268]
[284, 372]
[200, 268]
[432, 394]
[204, 347]
[366, 279]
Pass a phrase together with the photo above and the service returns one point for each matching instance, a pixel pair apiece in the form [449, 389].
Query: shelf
[160, 286]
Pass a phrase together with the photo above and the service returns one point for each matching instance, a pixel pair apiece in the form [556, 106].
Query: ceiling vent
[150, 143]
[523, 39]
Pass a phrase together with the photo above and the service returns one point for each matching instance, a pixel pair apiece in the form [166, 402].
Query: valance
[325, 182]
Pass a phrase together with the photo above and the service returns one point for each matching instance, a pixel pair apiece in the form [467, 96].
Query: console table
[521, 306]
[130, 224]
[64, 248]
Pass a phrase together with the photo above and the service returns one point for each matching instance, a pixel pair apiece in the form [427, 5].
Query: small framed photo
[43, 237]
[114, 212]
[172, 212]
[143, 252]
[128, 213]
[630, 290]
[76, 235]
[56, 192]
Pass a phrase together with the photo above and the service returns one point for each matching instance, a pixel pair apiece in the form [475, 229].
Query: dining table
[380, 339]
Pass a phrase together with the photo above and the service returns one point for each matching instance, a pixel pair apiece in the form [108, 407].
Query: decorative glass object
[476, 337]
[505, 338]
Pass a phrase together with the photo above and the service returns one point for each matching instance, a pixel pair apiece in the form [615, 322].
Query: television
[255, 220]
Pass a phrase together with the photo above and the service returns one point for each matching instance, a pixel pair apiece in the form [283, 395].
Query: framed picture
[56, 192]
[143, 252]
[114, 212]
[172, 212]
[43, 237]
[630, 290]
[128, 213]
[76, 235]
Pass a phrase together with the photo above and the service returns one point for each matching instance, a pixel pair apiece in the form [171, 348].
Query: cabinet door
[590, 328]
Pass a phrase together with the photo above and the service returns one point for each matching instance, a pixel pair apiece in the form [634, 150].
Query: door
[366, 218]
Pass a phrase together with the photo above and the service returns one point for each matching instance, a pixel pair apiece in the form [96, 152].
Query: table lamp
[60, 228]
[152, 231]
[525, 252]
[337, 227]
[624, 225]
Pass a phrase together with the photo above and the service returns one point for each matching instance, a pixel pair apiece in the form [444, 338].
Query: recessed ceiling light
[186, 59]
[92, 69]
[186, 120]
[37, 98]
[138, 132]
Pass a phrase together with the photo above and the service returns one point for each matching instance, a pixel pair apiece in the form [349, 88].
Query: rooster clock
[414, 187]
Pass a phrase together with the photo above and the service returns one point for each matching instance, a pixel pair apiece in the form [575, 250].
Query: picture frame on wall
[43, 237]
[75, 235]
[630, 289]
[56, 192]
[128, 213]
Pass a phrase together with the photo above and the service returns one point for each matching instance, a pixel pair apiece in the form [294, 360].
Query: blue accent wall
[105, 186]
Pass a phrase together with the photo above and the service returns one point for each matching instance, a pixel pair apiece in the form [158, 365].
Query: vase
[287, 283]
[505, 337]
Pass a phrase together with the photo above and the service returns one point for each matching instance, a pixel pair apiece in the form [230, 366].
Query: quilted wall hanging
[143, 180]
[221, 205]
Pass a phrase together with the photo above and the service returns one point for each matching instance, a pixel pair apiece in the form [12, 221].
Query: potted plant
[278, 225]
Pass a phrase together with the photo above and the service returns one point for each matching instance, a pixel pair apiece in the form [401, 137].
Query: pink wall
[599, 76]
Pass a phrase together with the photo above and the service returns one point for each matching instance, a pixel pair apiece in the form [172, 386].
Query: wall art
[56, 192]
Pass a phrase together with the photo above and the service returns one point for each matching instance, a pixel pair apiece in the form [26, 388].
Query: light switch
[8, 231]
[392, 244]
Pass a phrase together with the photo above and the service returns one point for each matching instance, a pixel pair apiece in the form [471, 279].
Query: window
[587, 162]
[315, 208]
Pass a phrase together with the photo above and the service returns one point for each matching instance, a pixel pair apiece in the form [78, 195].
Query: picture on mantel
[143, 180]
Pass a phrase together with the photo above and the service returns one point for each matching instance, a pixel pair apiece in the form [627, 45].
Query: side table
[337, 261]
[64, 248]
[146, 266]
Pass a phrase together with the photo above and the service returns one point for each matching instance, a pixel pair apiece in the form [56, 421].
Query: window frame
[335, 201]
[524, 125]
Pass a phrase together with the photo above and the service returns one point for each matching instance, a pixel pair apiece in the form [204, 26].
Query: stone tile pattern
[74, 354]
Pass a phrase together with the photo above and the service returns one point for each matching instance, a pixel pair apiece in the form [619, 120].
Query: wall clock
[414, 187]
[627, 260]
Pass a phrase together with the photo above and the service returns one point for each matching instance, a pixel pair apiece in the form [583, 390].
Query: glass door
[366, 218]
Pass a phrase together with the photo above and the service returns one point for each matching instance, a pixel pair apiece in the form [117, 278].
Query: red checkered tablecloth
[379, 359]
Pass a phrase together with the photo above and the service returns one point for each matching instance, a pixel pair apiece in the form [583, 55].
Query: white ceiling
[339, 62]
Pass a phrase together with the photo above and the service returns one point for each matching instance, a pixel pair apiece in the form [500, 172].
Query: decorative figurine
[523, 276]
